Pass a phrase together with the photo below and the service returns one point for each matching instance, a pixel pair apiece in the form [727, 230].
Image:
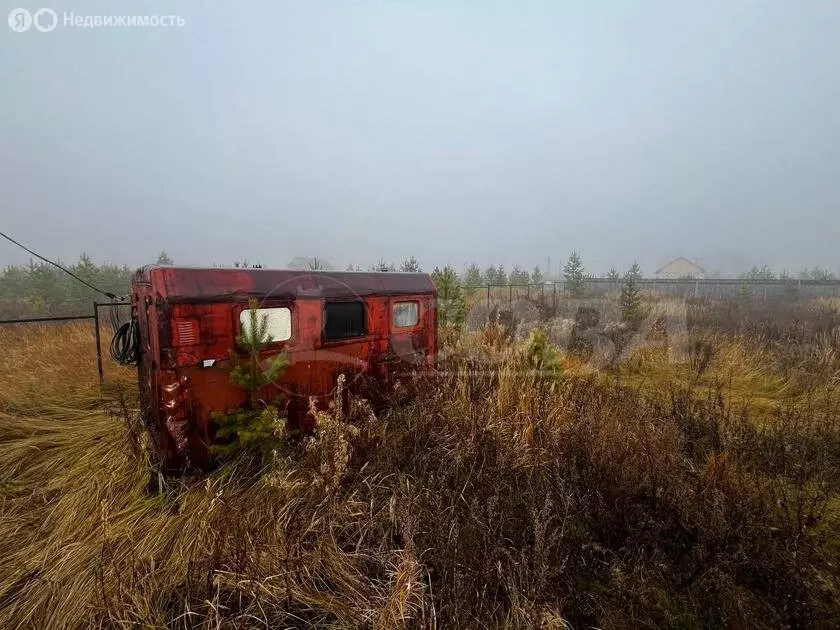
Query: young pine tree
[383, 266]
[490, 275]
[519, 276]
[635, 271]
[452, 303]
[410, 264]
[164, 259]
[474, 277]
[631, 297]
[259, 426]
[575, 274]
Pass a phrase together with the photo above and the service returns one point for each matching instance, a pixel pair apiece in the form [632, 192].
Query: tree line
[40, 290]
[765, 273]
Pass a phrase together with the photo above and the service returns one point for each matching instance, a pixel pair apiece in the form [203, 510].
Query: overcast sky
[454, 131]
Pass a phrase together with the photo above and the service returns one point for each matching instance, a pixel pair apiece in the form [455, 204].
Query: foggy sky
[454, 131]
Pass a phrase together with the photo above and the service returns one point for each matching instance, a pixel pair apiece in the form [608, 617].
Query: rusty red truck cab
[373, 327]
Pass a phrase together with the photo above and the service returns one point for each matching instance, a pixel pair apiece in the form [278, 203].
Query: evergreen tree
[575, 274]
[542, 356]
[258, 426]
[474, 277]
[631, 297]
[537, 276]
[452, 303]
[164, 259]
[613, 274]
[410, 264]
[519, 276]
[382, 266]
[635, 271]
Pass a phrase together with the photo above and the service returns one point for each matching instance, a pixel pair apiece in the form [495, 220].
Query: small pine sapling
[452, 302]
[260, 426]
[631, 297]
[575, 275]
[542, 356]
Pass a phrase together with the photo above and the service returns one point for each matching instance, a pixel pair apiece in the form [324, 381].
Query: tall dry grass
[497, 498]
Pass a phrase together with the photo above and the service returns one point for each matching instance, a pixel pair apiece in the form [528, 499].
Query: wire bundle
[125, 345]
[115, 316]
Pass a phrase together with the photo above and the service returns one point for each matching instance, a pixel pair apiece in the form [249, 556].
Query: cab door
[411, 319]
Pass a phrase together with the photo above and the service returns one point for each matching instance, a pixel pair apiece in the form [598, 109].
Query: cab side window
[344, 320]
[278, 320]
[406, 314]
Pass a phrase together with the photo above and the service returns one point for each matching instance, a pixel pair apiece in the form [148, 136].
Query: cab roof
[189, 284]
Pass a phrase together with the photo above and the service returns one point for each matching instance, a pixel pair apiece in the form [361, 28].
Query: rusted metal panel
[189, 320]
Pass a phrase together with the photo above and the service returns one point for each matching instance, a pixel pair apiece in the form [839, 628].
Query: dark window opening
[344, 320]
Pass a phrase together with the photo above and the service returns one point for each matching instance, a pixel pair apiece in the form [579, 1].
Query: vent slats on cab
[185, 332]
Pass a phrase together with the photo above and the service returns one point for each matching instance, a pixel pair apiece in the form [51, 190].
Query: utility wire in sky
[54, 264]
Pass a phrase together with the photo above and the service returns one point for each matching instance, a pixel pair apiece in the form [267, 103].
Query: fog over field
[494, 132]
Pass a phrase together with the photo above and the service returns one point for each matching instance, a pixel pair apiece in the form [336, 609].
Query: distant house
[680, 268]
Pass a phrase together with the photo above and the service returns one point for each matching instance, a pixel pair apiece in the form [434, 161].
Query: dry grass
[497, 499]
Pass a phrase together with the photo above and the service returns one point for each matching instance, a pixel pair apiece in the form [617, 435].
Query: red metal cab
[372, 327]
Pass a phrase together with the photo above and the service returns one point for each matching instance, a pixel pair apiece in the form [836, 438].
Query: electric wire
[125, 344]
[55, 264]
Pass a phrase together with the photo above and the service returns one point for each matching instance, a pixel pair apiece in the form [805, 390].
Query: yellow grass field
[645, 495]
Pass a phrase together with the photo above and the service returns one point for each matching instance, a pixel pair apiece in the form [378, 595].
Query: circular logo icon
[20, 20]
[45, 20]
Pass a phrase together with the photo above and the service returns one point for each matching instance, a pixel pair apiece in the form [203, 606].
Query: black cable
[114, 318]
[64, 269]
[125, 345]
